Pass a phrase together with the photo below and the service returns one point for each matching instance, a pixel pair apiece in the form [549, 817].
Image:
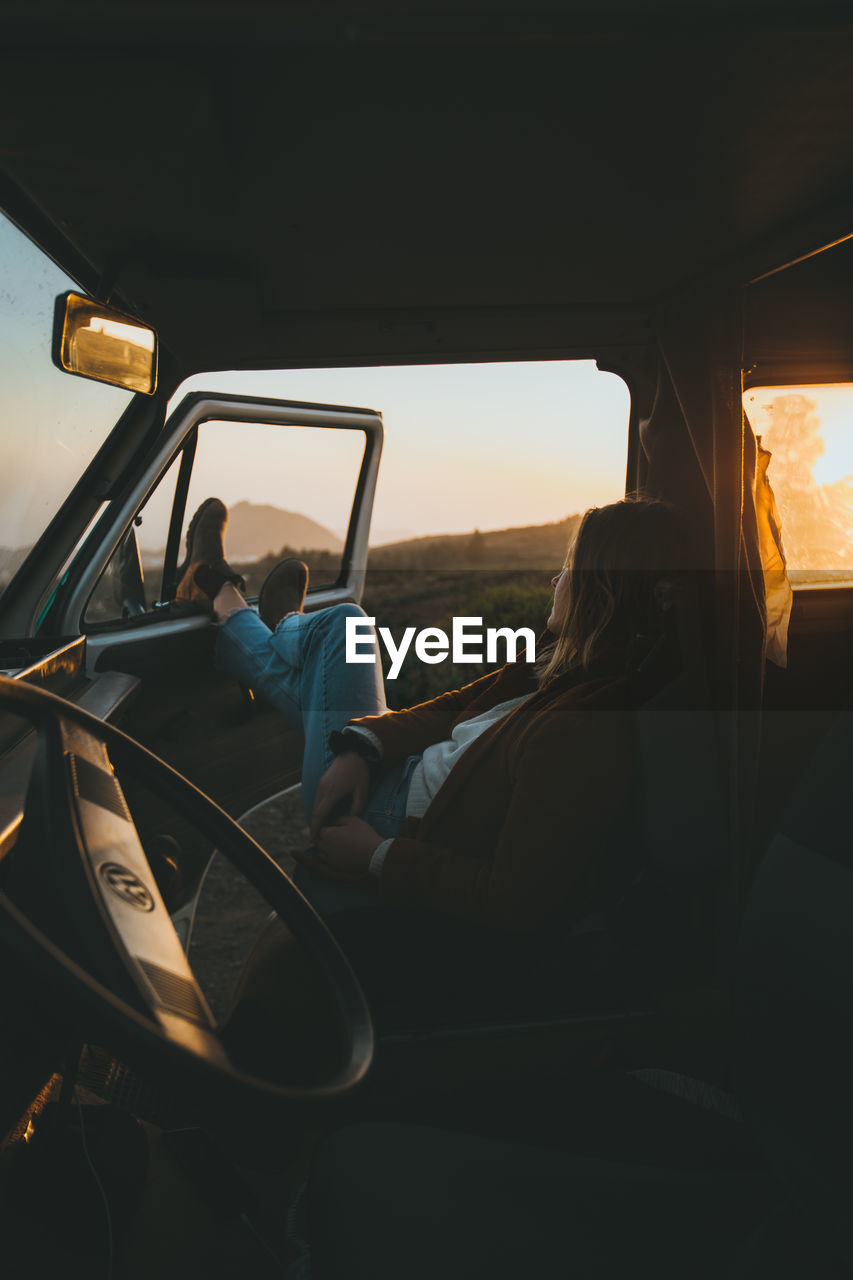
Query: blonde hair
[619, 557]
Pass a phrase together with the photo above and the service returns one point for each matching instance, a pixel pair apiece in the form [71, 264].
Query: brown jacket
[515, 833]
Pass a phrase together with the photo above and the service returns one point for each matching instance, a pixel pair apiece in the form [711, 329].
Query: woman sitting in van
[496, 803]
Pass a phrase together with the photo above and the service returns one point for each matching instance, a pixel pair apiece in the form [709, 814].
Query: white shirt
[435, 764]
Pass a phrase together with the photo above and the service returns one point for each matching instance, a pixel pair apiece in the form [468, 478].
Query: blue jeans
[301, 670]
[386, 812]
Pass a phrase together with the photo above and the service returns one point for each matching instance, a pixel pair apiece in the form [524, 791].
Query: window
[119, 592]
[52, 423]
[469, 446]
[289, 490]
[485, 469]
[809, 432]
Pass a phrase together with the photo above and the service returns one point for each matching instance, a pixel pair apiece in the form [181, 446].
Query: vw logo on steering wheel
[126, 885]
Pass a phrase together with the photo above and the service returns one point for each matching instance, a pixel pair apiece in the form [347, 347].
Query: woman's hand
[349, 844]
[347, 778]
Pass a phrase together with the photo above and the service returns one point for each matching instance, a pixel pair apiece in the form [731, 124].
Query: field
[502, 577]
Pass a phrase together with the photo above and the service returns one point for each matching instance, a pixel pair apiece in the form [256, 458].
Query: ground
[230, 912]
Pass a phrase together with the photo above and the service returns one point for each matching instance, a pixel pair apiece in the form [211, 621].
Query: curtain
[698, 452]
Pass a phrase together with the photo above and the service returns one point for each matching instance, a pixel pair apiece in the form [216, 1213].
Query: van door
[299, 479]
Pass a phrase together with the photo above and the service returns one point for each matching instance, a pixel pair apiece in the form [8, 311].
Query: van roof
[344, 184]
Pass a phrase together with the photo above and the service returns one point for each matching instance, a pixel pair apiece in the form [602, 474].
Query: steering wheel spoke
[118, 875]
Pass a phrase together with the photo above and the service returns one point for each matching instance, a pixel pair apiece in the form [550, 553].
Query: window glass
[52, 423]
[289, 491]
[809, 432]
[114, 596]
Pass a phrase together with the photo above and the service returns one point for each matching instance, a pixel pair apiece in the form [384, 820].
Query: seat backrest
[670, 915]
[677, 734]
[681, 791]
[794, 996]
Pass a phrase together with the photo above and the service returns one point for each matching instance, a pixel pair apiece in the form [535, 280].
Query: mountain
[256, 530]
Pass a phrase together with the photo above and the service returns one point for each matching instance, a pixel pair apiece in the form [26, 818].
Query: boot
[205, 546]
[283, 591]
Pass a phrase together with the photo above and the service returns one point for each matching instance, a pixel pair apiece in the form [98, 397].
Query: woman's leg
[301, 669]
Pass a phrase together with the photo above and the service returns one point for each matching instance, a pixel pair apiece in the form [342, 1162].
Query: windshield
[52, 423]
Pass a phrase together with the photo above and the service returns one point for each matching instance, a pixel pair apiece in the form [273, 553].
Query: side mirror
[93, 340]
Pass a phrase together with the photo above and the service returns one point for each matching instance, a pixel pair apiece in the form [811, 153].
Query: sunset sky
[834, 408]
[466, 446]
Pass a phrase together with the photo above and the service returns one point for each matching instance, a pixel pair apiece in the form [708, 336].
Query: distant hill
[382, 537]
[255, 530]
[537, 546]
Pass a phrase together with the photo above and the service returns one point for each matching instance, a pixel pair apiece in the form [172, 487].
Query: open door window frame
[195, 409]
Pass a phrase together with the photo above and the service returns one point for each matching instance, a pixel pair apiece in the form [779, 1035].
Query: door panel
[205, 724]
